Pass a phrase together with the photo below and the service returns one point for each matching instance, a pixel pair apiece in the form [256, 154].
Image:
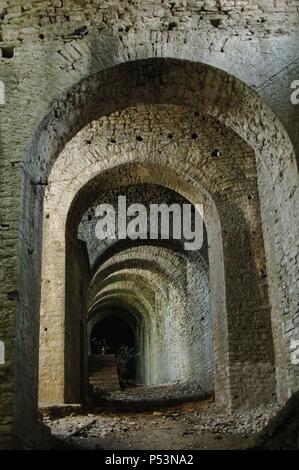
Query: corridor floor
[194, 425]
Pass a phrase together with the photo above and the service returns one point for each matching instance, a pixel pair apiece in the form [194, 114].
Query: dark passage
[113, 335]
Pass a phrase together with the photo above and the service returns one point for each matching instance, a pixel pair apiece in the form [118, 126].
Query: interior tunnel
[187, 301]
[169, 338]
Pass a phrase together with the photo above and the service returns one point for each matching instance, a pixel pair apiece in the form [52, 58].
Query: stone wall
[27, 20]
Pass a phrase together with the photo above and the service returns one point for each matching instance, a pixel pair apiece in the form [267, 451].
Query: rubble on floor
[150, 396]
[191, 425]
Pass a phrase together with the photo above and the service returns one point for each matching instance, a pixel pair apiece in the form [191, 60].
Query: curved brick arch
[260, 135]
[124, 245]
[161, 260]
[156, 281]
[198, 364]
[129, 282]
[129, 300]
[141, 258]
[145, 172]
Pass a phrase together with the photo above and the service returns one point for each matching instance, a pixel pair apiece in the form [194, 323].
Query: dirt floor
[192, 425]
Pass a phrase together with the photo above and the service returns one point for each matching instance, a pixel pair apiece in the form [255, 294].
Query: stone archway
[53, 275]
[154, 86]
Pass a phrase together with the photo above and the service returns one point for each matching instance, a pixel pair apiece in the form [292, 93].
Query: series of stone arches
[241, 360]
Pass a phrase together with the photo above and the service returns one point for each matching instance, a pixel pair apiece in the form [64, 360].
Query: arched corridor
[153, 248]
[187, 303]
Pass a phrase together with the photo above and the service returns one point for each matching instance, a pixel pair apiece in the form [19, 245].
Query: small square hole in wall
[7, 52]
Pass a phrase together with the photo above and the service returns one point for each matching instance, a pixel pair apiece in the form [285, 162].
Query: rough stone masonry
[172, 100]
